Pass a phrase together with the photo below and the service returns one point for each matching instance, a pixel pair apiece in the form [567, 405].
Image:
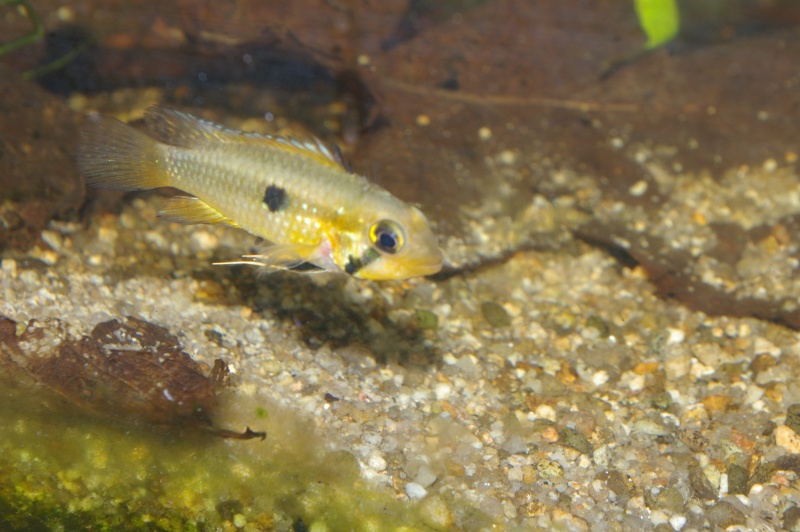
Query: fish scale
[295, 194]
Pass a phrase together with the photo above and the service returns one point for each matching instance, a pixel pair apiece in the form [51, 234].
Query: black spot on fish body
[275, 198]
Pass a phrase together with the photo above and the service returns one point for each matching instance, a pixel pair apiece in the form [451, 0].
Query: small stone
[737, 479]
[638, 188]
[793, 418]
[415, 491]
[425, 476]
[723, 514]
[710, 354]
[508, 157]
[254, 336]
[495, 314]
[9, 266]
[239, 520]
[203, 242]
[376, 461]
[53, 239]
[576, 440]
[764, 346]
[762, 362]
[622, 485]
[599, 324]
[435, 513]
[717, 403]
[651, 427]
[426, 319]
[700, 484]
[677, 522]
[669, 499]
[791, 519]
[661, 400]
[787, 439]
[677, 366]
[549, 469]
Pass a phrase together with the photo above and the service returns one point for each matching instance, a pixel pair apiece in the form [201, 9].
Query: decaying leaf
[130, 370]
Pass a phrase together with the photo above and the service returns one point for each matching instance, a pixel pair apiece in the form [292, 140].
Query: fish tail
[112, 154]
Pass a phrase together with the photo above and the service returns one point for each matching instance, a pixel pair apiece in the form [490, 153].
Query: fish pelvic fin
[112, 154]
[190, 210]
[278, 257]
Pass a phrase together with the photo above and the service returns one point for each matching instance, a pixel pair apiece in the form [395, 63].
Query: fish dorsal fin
[187, 131]
[188, 210]
[182, 129]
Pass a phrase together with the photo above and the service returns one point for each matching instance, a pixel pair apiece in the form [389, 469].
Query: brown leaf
[129, 370]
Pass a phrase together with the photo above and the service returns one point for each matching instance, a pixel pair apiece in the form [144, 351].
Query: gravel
[551, 390]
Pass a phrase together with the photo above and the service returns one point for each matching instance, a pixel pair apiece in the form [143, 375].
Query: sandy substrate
[552, 390]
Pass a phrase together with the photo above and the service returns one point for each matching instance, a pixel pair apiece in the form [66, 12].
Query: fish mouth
[406, 270]
[421, 269]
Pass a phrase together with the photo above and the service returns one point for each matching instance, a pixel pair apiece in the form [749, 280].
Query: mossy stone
[576, 440]
[426, 319]
[793, 417]
[495, 314]
[723, 514]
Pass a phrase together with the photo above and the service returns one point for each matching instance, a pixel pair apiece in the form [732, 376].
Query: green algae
[61, 469]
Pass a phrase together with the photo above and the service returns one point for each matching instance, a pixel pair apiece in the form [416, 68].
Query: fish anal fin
[188, 210]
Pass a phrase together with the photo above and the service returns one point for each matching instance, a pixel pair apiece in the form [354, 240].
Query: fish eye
[387, 236]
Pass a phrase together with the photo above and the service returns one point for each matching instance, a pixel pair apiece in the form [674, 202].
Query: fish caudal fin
[114, 155]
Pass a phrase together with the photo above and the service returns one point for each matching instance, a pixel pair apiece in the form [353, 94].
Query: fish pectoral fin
[188, 210]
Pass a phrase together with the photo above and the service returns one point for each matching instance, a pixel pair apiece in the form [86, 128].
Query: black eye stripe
[353, 264]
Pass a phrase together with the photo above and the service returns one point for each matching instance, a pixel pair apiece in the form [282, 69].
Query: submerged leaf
[659, 19]
[130, 370]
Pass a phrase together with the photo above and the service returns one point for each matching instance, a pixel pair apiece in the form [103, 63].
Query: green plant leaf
[659, 19]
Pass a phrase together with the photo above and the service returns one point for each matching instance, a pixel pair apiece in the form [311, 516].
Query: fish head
[395, 244]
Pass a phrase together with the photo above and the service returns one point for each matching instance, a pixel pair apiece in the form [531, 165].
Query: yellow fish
[297, 195]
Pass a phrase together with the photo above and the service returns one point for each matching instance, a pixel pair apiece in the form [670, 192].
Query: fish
[297, 195]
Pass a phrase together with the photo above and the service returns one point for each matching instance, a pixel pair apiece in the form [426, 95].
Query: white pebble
[676, 336]
[53, 239]
[376, 461]
[600, 377]
[415, 491]
[764, 346]
[9, 266]
[659, 517]
[787, 439]
[677, 522]
[442, 391]
[425, 476]
[545, 412]
[638, 188]
[203, 241]
[254, 336]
